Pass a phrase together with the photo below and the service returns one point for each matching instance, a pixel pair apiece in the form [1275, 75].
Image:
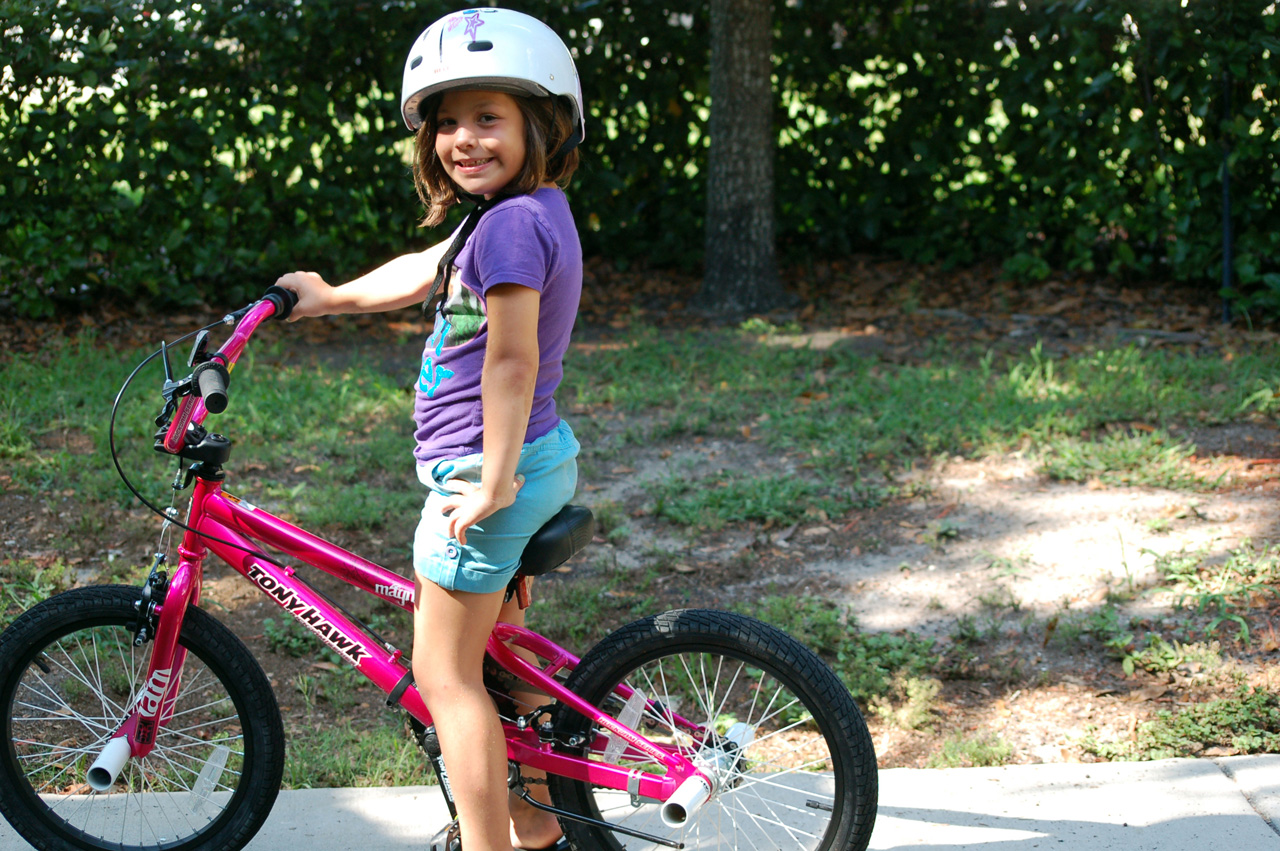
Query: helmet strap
[569, 144]
[575, 138]
[444, 271]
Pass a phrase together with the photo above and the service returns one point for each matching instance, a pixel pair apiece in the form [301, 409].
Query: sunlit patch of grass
[867, 662]
[844, 411]
[728, 497]
[1246, 722]
[27, 582]
[963, 751]
[1224, 588]
[1138, 458]
[343, 755]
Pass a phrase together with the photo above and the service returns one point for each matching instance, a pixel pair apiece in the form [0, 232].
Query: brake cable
[169, 517]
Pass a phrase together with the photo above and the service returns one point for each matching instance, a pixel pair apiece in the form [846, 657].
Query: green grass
[961, 751]
[1142, 459]
[1224, 588]
[357, 505]
[26, 583]
[340, 755]
[289, 638]
[1246, 722]
[1215, 595]
[1160, 656]
[835, 421]
[799, 396]
[910, 702]
[580, 612]
[867, 663]
[832, 417]
[728, 497]
[330, 430]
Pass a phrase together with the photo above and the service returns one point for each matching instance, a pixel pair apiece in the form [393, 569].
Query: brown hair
[547, 125]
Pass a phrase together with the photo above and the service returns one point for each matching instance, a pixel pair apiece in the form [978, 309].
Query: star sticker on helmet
[473, 23]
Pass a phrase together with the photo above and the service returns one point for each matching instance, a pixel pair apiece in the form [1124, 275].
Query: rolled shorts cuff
[491, 555]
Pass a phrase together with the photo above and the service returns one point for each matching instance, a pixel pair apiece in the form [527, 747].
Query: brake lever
[172, 390]
[199, 350]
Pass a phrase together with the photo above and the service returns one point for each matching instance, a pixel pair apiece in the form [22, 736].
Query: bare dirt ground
[995, 549]
[989, 559]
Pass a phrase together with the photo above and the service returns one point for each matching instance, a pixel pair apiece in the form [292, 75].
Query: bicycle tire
[807, 777]
[68, 674]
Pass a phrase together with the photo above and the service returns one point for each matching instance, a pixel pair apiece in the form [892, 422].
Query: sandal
[449, 838]
[561, 844]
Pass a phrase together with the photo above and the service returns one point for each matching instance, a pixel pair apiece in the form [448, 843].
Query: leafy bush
[159, 149]
[172, 150]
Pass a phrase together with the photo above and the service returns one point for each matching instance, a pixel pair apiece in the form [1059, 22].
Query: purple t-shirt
[528, 240]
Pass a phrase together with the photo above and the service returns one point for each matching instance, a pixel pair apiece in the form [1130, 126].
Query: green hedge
[1081, 135]
[195, 152]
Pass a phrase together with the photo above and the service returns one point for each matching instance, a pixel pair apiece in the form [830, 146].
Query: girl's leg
[530, 827]
[450, 630]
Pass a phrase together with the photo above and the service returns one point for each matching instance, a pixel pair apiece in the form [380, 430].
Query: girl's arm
[506, 392]
[398, 283]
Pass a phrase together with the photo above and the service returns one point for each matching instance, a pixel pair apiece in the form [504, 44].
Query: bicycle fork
[160, 616]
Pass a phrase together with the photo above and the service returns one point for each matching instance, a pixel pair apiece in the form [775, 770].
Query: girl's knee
[442, 685]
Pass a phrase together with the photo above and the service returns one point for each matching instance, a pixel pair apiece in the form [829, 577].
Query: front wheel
[69, 675]
[796, 765]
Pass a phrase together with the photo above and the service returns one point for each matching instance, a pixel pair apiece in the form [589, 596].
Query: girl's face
[480, 140]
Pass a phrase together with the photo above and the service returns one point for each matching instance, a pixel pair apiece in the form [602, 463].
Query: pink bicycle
[133, 719]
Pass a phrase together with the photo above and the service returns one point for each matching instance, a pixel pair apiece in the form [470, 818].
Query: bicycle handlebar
[205, 392]
[284, 300]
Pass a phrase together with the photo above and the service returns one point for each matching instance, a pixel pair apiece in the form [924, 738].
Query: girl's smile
[480, 140]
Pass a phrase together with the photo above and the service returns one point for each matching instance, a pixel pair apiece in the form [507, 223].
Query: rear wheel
[797, 765]
[69, 674]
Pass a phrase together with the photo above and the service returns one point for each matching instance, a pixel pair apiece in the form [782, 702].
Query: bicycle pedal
[447, 838]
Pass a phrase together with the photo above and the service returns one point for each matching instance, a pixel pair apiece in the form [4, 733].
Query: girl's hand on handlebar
[471, 504]
[313, 294]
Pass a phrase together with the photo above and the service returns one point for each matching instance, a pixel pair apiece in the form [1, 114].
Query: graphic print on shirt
[459, 321]
[465, 312]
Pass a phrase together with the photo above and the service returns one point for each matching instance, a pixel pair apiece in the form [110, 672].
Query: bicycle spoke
[759, 822]
[49, 782]
[62, 704]
[200, 708]
[175, 807]
[697, 696]
[75, 673]
[201, 784]
[170, 778]
[185, 732]
[80, 800]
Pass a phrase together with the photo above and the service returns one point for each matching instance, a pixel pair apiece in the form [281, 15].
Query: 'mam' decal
[396, 592]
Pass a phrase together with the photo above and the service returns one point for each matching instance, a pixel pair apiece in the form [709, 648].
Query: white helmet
[495, 49]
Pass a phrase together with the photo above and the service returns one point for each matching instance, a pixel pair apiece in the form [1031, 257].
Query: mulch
[903, 303]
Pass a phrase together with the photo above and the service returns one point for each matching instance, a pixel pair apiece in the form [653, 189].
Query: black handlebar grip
[211, 383]
[283, 299]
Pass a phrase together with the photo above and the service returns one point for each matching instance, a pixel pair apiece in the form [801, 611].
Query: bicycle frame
[234, 530]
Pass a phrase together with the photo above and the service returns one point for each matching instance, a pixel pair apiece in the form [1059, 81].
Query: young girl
[494, 99]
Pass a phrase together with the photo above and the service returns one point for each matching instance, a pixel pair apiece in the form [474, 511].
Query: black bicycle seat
[559, 539]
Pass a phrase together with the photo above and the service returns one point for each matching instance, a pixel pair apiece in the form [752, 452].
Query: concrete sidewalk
[1173, 805]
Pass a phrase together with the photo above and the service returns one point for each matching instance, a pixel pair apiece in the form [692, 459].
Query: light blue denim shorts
[491, 555]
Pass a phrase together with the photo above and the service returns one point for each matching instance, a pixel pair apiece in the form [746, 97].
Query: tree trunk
[741, 274]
